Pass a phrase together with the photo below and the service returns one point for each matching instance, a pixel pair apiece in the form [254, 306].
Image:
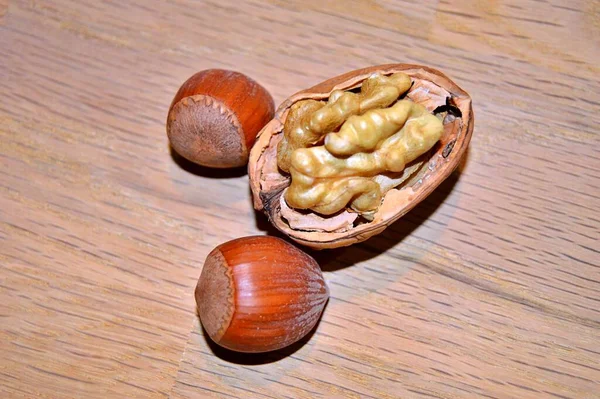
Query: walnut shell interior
[430, 88]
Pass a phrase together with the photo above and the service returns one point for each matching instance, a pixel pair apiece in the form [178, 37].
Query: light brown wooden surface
[490, 288]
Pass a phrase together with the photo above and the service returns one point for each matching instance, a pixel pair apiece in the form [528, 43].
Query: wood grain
[489, 288]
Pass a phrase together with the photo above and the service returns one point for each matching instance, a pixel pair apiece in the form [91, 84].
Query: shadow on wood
[339, 258]
[199, 170]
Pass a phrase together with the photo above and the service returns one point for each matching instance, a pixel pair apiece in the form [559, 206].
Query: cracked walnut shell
[344, 159]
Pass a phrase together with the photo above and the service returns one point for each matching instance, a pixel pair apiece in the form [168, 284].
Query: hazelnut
[258, 294]
[215, 116]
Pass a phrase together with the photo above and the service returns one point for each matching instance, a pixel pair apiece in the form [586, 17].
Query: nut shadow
[256, 359]
[339, 258]
[262, 223]
[199, 170]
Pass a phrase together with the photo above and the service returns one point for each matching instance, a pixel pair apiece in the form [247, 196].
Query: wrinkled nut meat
[363, 142]
[343, 160]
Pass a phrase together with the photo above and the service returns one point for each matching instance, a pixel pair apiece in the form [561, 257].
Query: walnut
[344, 159]
[309, 120]
[326, 178]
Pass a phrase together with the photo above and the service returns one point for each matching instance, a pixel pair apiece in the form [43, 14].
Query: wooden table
[488, 289]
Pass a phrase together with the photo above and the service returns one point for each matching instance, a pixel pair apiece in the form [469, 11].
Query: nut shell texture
[215, 116]
[431, 89]
[258, 294]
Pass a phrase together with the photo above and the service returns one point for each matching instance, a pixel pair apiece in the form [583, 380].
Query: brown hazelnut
[215, 116]
[258, 294]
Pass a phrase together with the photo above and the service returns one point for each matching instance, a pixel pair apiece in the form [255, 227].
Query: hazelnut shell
[215, 116]
[258, 294]
[430, 88]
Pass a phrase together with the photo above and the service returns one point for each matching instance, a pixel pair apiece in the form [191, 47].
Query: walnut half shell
[431, 89]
